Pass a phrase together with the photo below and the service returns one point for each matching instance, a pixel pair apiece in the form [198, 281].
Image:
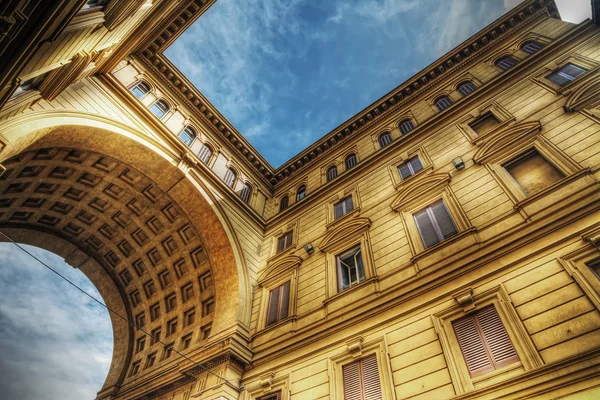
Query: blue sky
[285, 73]
[56, 344]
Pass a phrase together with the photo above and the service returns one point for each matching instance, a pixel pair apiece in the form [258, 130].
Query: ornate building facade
[443, 243]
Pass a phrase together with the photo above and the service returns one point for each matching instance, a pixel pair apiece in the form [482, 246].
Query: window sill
[348, 215]
[276, 325]
[542, 193]
[490, 375]
[443, 243]
[351, 289]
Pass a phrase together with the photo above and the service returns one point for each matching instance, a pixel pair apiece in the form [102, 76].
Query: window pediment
[431, 184]
[585, 95]
[504, 139]
[278, 267]
[345, 231]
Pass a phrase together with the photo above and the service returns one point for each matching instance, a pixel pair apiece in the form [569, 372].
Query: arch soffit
[79, 129]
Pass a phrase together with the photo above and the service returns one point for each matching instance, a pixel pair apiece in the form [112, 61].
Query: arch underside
[104, 201]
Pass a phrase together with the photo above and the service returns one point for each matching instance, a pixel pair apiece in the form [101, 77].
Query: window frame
[351, 156]
[191, 136]
[356, 249]
[354, 349]
[467, 302]
[529, 41]
[386, 142]
[246, 193]
[298, 191]
[409, 163]
[286, 243]
[155, 103]
[331, 173]
[279, 317]
[284, 203]
[435, 224]
[403, 122]
[466, 83]
[498, 62]
[201, 153]
[230, 172]
[345, 211]
[131, 89]
[569, 79]
[441, 106]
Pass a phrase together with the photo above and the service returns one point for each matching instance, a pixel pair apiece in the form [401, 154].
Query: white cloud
[55, 342]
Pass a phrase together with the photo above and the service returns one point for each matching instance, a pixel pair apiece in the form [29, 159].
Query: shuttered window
[284, 241]
[331, 173]
[301, 192]
[467, 87]
[484, 342]
[229, 178]
[385, 139]
[443, 102]
[272, 396]
[361, 380]
[205, 153]
[351, 161]
[283, 203]
[279, 302]
[342, 207]
[410, 167]
[245, 193]
[406, 126]
[507, 63]
[435, 224]
[566, 74]
[531, 47]
[350, 267]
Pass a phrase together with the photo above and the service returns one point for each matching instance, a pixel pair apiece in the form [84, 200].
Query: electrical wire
[166, 346]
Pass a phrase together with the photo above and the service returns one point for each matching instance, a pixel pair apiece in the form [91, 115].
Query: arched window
[385, 139]
[140, 89]
[351, 161]
[443, 102]
[229, 177]
[466, 87]
[506, 63]
[531, 46]
[245, 193]
[205, 153]
[283, 203]
[406, 126]
[159, 108]
[187, 135]
[301, 192]
[331, 173]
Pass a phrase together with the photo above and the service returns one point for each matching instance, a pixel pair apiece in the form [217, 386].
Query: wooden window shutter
[349, 204]
[404, 170]
[272, 396]
[352, 381]
[285, 300]
[426, 229]
[484, 342]
[501, 348]
[370, 375]
[444, 220]
[272, 312]
[361, 380]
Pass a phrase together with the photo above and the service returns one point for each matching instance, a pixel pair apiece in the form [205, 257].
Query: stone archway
[158, 236]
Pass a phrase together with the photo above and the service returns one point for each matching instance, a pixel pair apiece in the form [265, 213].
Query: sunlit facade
[442, 243]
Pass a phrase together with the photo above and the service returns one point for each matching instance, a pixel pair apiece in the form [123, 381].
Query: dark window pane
[466, 88]
[443, 102]
[566, 74]
[385, 139]
[301, 193]
[507, 63]
[531, 47]
[331, 173]
[283, 203]
[406, 126]
[351, 161]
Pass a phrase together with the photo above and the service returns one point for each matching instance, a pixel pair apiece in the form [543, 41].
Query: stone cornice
[150, 54]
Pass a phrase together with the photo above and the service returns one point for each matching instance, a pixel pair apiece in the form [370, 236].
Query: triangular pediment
[279, 266]
[504, 139]
[424, 185]
[345, 231]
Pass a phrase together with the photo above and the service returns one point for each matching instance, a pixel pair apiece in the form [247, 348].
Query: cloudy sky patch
[56, 343]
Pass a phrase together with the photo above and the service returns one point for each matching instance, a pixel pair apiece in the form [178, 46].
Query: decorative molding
[354, 346]
[430, 184]
[344, 231]
[279, 266]
[508, 137]
[117, 11]
[587, 94]
[61, 78]
[465, 299]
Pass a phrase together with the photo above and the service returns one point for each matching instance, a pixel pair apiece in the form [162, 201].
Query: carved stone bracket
[354, 346]
[465, 299]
